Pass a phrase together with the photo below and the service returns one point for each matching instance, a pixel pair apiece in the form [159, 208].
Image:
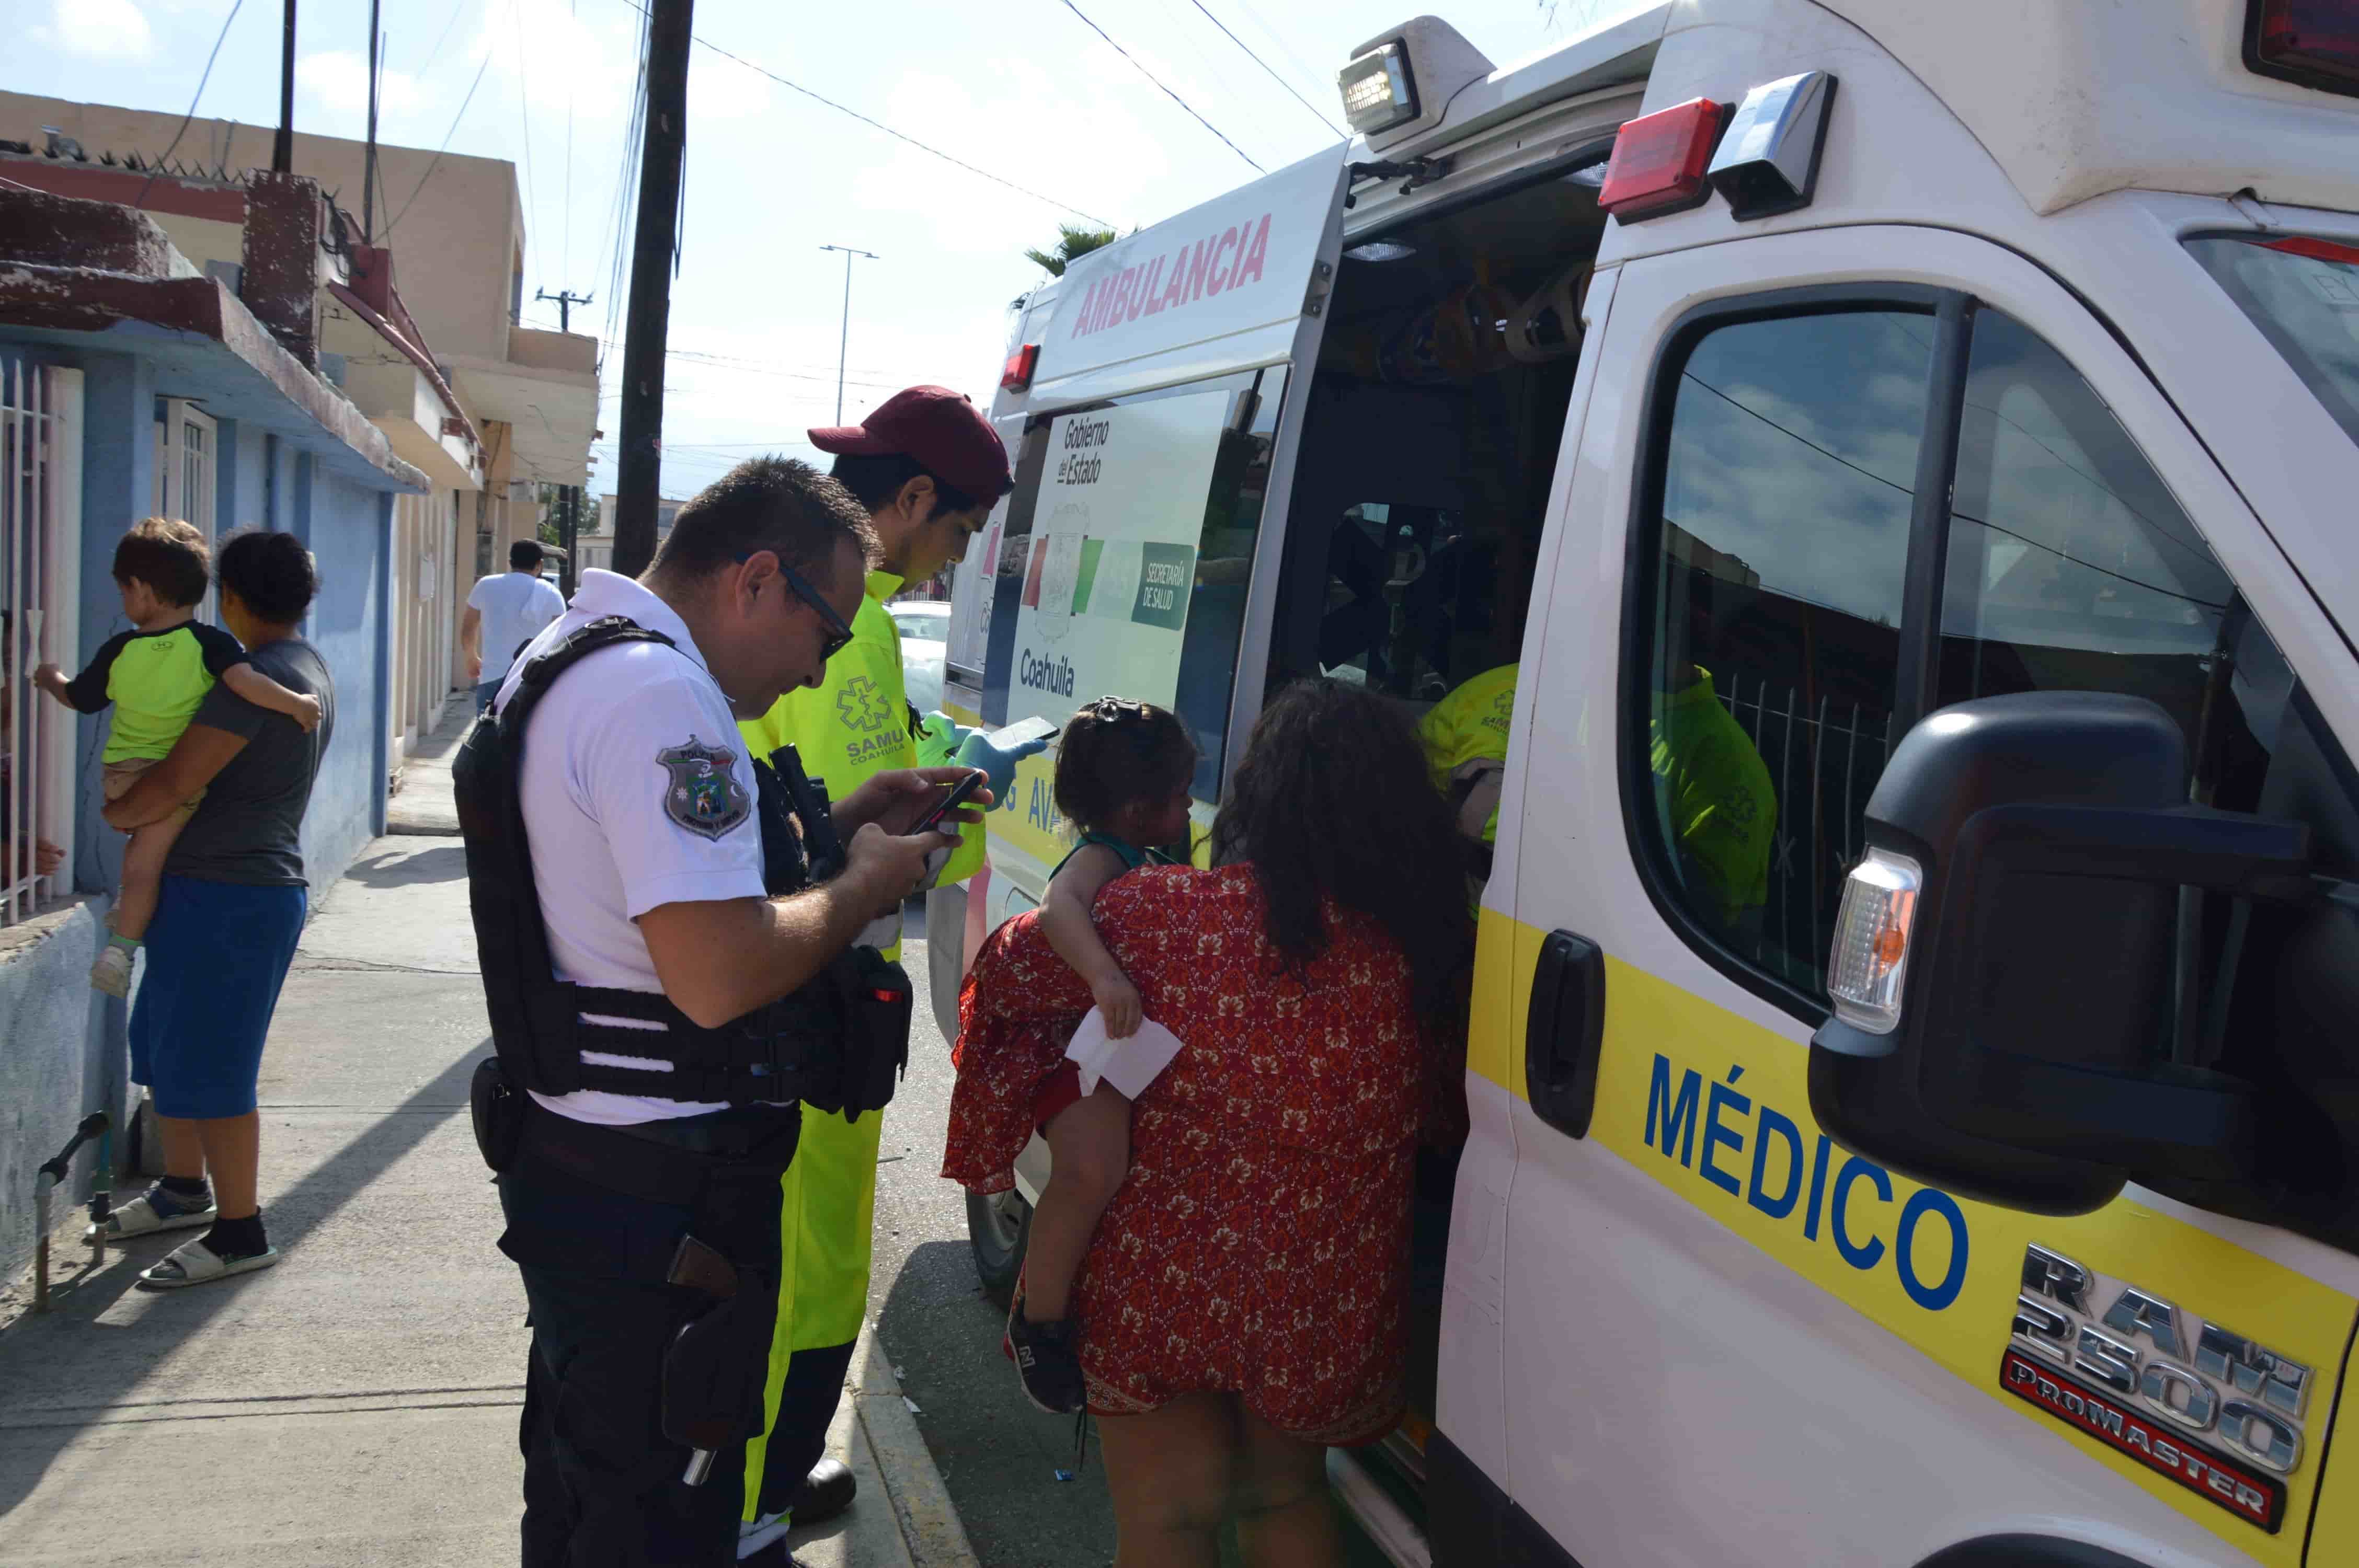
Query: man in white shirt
[504, 614]
[638, 804]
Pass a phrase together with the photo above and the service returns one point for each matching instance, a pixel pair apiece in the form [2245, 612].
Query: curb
[921, 1504]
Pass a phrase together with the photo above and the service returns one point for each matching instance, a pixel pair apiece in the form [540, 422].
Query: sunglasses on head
[838, 632]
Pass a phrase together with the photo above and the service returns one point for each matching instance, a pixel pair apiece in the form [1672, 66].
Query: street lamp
[844, 343]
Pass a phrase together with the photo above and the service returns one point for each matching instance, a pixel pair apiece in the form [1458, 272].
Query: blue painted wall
[118, 488]
[348, 539]
[66, 1058]
[65, 1052]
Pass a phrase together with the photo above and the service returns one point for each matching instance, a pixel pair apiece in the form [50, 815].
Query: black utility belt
[671, 1160]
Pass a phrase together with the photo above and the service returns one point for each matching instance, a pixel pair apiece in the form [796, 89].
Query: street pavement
[357, 1404]
[998, 1455]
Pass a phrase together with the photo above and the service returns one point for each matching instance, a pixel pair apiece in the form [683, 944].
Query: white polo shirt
[628, 804]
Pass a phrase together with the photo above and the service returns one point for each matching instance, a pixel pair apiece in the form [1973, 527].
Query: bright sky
[1021, 89]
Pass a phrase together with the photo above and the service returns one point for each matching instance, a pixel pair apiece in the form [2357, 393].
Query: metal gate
[40, 583]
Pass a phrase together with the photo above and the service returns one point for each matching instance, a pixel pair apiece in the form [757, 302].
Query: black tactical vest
[839, 1043]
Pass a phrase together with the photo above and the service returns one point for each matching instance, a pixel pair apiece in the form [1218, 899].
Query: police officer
[658, 1012]
[928, 468]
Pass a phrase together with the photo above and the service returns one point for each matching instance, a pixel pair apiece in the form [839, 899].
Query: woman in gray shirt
[227, 920]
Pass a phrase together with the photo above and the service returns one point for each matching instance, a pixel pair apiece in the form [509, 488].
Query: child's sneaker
[111, 973]
[1047, 1362]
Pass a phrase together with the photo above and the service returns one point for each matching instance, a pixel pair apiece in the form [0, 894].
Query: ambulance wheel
[998, 1226]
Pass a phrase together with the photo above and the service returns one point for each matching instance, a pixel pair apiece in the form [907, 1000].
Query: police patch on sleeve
[701, 792]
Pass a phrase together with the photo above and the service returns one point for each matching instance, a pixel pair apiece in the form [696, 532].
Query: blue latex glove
[976, 750]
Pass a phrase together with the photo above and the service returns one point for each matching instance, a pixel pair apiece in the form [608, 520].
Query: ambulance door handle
[1565, 1032]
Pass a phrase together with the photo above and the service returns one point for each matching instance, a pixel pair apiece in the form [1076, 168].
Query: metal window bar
[37, 725]
[1844, 754]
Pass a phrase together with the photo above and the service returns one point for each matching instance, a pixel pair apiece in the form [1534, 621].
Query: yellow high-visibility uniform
[853, 725]
[1470, 722]
[1719, 806]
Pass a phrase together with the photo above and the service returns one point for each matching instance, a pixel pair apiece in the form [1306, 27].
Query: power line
[901, 135]
[194, 98]
[1964, 517]
[1796, 435]
[524, 116]
[1247, 107]
[571, 90]
[1265, 66]
[1279, 39]
[2193, 548]
[1150, 76]
[451, 22]
[437, 160]
[624, 187]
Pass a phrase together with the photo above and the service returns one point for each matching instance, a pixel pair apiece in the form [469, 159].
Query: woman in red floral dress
[1245, 1299]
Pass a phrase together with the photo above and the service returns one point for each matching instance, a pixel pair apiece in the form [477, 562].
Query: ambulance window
[2071, 565]
[2303, 294]
[1778, 533]
[1125, 561]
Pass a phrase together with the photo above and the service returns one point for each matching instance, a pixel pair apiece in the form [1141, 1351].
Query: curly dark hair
[1114, 751]
[271, 573]
[1332, 799]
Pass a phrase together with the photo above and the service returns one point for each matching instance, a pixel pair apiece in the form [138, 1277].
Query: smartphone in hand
[957, 795]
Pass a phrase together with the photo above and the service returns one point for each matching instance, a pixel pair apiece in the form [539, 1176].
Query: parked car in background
[925, 631]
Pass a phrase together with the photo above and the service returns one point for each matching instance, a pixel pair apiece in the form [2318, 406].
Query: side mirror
[2007, 954]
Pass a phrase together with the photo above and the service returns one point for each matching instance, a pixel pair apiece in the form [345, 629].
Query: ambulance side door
[1137, 555]
[1726, 1339]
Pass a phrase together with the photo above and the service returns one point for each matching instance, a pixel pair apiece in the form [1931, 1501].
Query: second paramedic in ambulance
[1718, 805]
[928, 467]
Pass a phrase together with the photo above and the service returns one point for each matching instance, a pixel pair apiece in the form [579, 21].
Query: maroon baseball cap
[941, 429]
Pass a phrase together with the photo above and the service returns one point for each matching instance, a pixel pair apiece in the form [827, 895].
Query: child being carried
[1122, 775]
[155, 676]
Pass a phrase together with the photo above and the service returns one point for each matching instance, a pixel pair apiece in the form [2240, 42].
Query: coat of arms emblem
[700, 793]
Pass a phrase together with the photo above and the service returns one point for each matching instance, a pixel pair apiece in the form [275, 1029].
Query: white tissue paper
[1128, 1065]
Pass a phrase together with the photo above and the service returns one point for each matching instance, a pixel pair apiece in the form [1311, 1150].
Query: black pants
[602, 1483]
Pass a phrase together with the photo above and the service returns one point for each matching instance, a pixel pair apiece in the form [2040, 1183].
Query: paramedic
[928, 467]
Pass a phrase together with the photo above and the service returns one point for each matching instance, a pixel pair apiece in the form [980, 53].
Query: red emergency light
[2314, 42]
[1659, 159]
[1017, 374]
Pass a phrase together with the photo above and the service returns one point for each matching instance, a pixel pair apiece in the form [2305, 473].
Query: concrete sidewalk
[358, 1404]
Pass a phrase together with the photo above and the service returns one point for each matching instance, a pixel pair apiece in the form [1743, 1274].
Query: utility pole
[569, 532]
[282, 154]
[565, 300]
[844, 343]
[638, 480]
[368, 159]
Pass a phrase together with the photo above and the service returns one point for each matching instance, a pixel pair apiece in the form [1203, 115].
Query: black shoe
[826, 1492]
[1047, 1362]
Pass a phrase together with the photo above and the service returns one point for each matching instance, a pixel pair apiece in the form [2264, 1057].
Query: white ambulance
[1909, 453]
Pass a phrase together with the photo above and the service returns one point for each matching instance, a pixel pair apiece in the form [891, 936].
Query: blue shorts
[217, 953]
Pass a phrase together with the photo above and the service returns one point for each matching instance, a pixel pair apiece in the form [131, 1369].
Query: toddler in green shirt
[155, 676]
